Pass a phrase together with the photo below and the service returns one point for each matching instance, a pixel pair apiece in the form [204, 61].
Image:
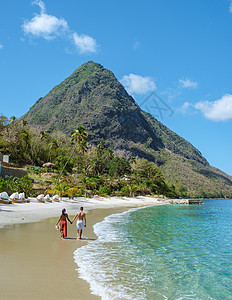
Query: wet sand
[37, 264]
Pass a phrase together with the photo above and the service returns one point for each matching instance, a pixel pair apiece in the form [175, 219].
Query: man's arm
[85, 220]
[74, 218]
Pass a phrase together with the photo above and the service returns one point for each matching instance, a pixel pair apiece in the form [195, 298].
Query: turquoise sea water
[162, 252]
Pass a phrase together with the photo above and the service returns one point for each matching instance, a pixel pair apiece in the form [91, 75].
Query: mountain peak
[93, 97]
[84, 71]
[91, 66]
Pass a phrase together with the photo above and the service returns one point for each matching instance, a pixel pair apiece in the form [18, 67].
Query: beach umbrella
[22, 197]
[55, 198]
[15, 198]
[4, 195]
[48, 165]
[47, 198]
[40, 198]
[4, 198]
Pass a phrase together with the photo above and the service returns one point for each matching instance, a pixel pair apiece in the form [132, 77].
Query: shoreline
[32, 245]
[37, 264]
[21, 213]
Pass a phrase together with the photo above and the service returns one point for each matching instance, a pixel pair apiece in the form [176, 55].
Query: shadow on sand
[83, 239]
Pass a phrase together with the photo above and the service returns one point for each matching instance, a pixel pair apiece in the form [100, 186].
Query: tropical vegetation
[78, 169]
[127, 151]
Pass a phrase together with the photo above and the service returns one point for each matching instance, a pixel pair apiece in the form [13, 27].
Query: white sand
[43, 263]
[34, 211]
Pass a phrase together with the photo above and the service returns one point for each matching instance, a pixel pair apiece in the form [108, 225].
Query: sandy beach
[35, 262]
[21, 213]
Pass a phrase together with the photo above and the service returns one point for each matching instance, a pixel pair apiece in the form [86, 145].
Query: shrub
[73, 192]
[60, 163]
[104, 190]
[119, 166]
[125, 191]
[35, 169]
[3, 185]
[14, 184]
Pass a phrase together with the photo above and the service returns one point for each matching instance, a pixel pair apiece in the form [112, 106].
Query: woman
[63, 223]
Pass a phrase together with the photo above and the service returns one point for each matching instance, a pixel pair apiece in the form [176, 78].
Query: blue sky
[177, 50]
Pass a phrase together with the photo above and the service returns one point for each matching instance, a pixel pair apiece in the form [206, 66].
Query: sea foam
[99, 261]
[161, 252]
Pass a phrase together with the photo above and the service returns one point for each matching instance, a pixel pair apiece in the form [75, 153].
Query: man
[81, 222]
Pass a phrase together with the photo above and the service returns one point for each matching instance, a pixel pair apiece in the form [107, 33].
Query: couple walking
[81, 222]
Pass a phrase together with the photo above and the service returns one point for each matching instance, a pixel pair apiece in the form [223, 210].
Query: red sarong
[63, 228]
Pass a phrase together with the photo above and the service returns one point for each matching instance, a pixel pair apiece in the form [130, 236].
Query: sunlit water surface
[162, 252]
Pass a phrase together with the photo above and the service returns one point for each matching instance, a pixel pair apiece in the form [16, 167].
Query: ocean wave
[100, 262]
[172, 252]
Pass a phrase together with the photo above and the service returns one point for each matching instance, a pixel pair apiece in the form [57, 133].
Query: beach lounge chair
[15, 198]
[47, 198]
[40, 198]
[22, 197]
[55, 198]
[4, 198]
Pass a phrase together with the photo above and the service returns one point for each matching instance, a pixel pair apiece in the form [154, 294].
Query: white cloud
[41, 4]
[230, 8]
[84, 43]
[136, 84]
[219, 110]
[185, 107]
[187, 83]
[1, 46]
[49, 27]
[44, 25]
[136, 45]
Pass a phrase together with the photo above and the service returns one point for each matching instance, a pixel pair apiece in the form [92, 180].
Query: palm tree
[84, 183]
[43, 135]
[53, 145]
[25, 140]
[13, 118]
[132, 159]
[3, 121]
[83, 146]
[100, 147]
[93, 183]
[61, 188]
[24, 123]
[79, 135]
[133, 188]
[110, 153]
[72, 192]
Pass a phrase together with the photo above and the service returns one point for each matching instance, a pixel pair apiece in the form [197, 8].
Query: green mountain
[93, 97]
